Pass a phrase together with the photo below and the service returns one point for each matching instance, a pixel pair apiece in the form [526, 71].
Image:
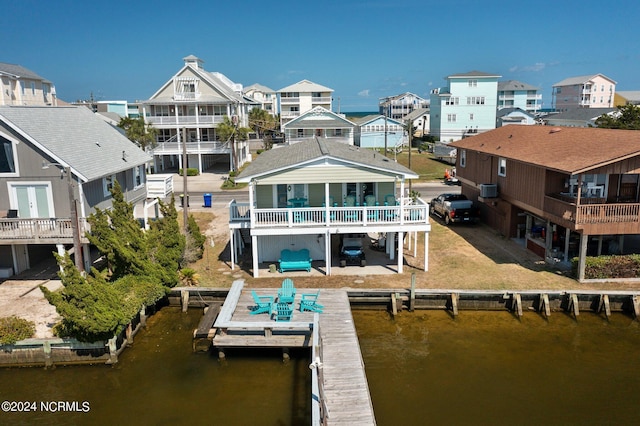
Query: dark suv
[351, 251]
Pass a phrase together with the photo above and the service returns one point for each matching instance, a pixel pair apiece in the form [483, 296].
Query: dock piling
[635, 301]
[544, 305]
[454, 304]
[412, 299]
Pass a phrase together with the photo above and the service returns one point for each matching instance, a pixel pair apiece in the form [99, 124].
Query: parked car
[454, 208]
[351, 250]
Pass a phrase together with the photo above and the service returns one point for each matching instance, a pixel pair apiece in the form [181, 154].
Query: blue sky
[364, 50]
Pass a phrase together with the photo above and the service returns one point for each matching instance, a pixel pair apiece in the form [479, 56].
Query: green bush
[605, 267]
[14, 329]
[190, 172]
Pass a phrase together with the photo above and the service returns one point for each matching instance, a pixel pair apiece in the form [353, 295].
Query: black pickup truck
[454, 208]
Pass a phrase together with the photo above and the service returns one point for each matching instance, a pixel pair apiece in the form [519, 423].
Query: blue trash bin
[207, 200]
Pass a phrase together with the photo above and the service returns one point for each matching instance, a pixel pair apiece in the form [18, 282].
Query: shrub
[615, 266]
[190, 172]
[14, 329]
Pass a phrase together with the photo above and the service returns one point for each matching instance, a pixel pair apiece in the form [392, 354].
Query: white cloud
[538, 66]
[364, 93]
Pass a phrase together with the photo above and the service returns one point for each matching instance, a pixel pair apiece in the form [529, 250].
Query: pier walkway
[341, 393]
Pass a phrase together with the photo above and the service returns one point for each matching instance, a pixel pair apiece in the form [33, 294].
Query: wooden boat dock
[340, 393]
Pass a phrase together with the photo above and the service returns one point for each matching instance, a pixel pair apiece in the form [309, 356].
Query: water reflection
[160, 381]
[491, 368]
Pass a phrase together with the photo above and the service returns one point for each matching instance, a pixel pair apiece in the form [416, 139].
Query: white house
[319, 122]
[20, 86]
[309, 194]
[188, 108]
[301, 97]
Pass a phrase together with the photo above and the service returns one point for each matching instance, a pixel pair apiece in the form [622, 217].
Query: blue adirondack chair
[284, 311]
[264, 304]
[309, 302]
[287, 292]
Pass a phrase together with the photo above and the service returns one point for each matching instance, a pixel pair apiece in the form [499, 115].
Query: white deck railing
[329, 216]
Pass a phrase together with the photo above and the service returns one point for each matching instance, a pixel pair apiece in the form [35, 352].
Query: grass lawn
[423, 164]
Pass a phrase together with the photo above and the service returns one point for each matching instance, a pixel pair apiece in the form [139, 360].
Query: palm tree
[189, 277]
[229, 131]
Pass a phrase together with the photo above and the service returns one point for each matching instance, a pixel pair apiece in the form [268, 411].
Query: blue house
[374, 131]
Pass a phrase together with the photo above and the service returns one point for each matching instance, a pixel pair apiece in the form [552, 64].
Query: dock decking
[343, 388]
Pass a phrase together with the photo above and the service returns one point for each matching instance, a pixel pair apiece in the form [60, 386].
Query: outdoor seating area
[294, 260]
[281, 306]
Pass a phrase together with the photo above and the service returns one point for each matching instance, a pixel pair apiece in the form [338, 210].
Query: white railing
[287, 100]
[184, 119]
[192, 148]
[288, 114]
[186, 96]
[321, 99]
[159, 186]
[329, 216]
[39, 228]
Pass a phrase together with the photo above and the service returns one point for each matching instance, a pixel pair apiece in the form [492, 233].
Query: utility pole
[73, 206]
[185, 194]
[409, 135]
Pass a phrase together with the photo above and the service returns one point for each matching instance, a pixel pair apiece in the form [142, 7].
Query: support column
[232, 249]
[391, 238]
[582, 257]
[254, 255]
[567, 236]
[60, 248]
[86, 256]
[327, 252]
[426, 251]
[400, 252]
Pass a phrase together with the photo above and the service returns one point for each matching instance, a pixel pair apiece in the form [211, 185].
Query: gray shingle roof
[74, 136]
[580, 80]
[305, 86]
[581, 114]
[298, 154]
[515, 85]
[19, 71]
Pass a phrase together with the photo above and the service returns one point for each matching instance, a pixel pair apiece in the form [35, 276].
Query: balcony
[240, 215]
[175, 148]
[186, 96]
[292, 100]
[40, 231]
[193, 120]
[593, 215]
[321, 99]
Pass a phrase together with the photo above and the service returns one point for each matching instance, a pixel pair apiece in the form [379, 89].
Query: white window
[473, 83]
[451, 118]
[470, 117]
[463, 158]
[107, 184]
[454, 100]
[502, 167]
[138, 176]
[475, 100]
[33, 87]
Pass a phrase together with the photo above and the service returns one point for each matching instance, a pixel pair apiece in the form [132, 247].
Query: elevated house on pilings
[57, 165]
[565, 192]
[309, 194]
[187, 109]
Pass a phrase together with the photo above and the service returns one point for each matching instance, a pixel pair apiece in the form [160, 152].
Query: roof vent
[555, 130]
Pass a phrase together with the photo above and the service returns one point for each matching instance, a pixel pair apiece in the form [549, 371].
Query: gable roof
[18, 71]
[297, 155]
[570, 150]
[305, 86]
[474, 74]
[582, 114]
[74, 137]
[581, 80]
[362, 121]
[416, 113]
[515, 85]
[217, 80]
[507, 111]
[259, 88]
[318, 118]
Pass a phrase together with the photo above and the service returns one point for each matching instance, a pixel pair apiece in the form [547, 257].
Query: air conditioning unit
[488, 190]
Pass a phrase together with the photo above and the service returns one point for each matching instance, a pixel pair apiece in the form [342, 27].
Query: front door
[32, 200]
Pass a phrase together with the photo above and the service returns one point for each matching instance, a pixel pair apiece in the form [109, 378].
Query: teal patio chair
[287, 291]
[309, 302]
[284, 311]
[263, 305]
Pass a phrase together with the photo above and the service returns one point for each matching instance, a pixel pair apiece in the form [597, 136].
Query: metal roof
[17, 71]
[305, 86]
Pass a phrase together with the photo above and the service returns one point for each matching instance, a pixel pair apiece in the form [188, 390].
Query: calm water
[489, 368]
[423, 367]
